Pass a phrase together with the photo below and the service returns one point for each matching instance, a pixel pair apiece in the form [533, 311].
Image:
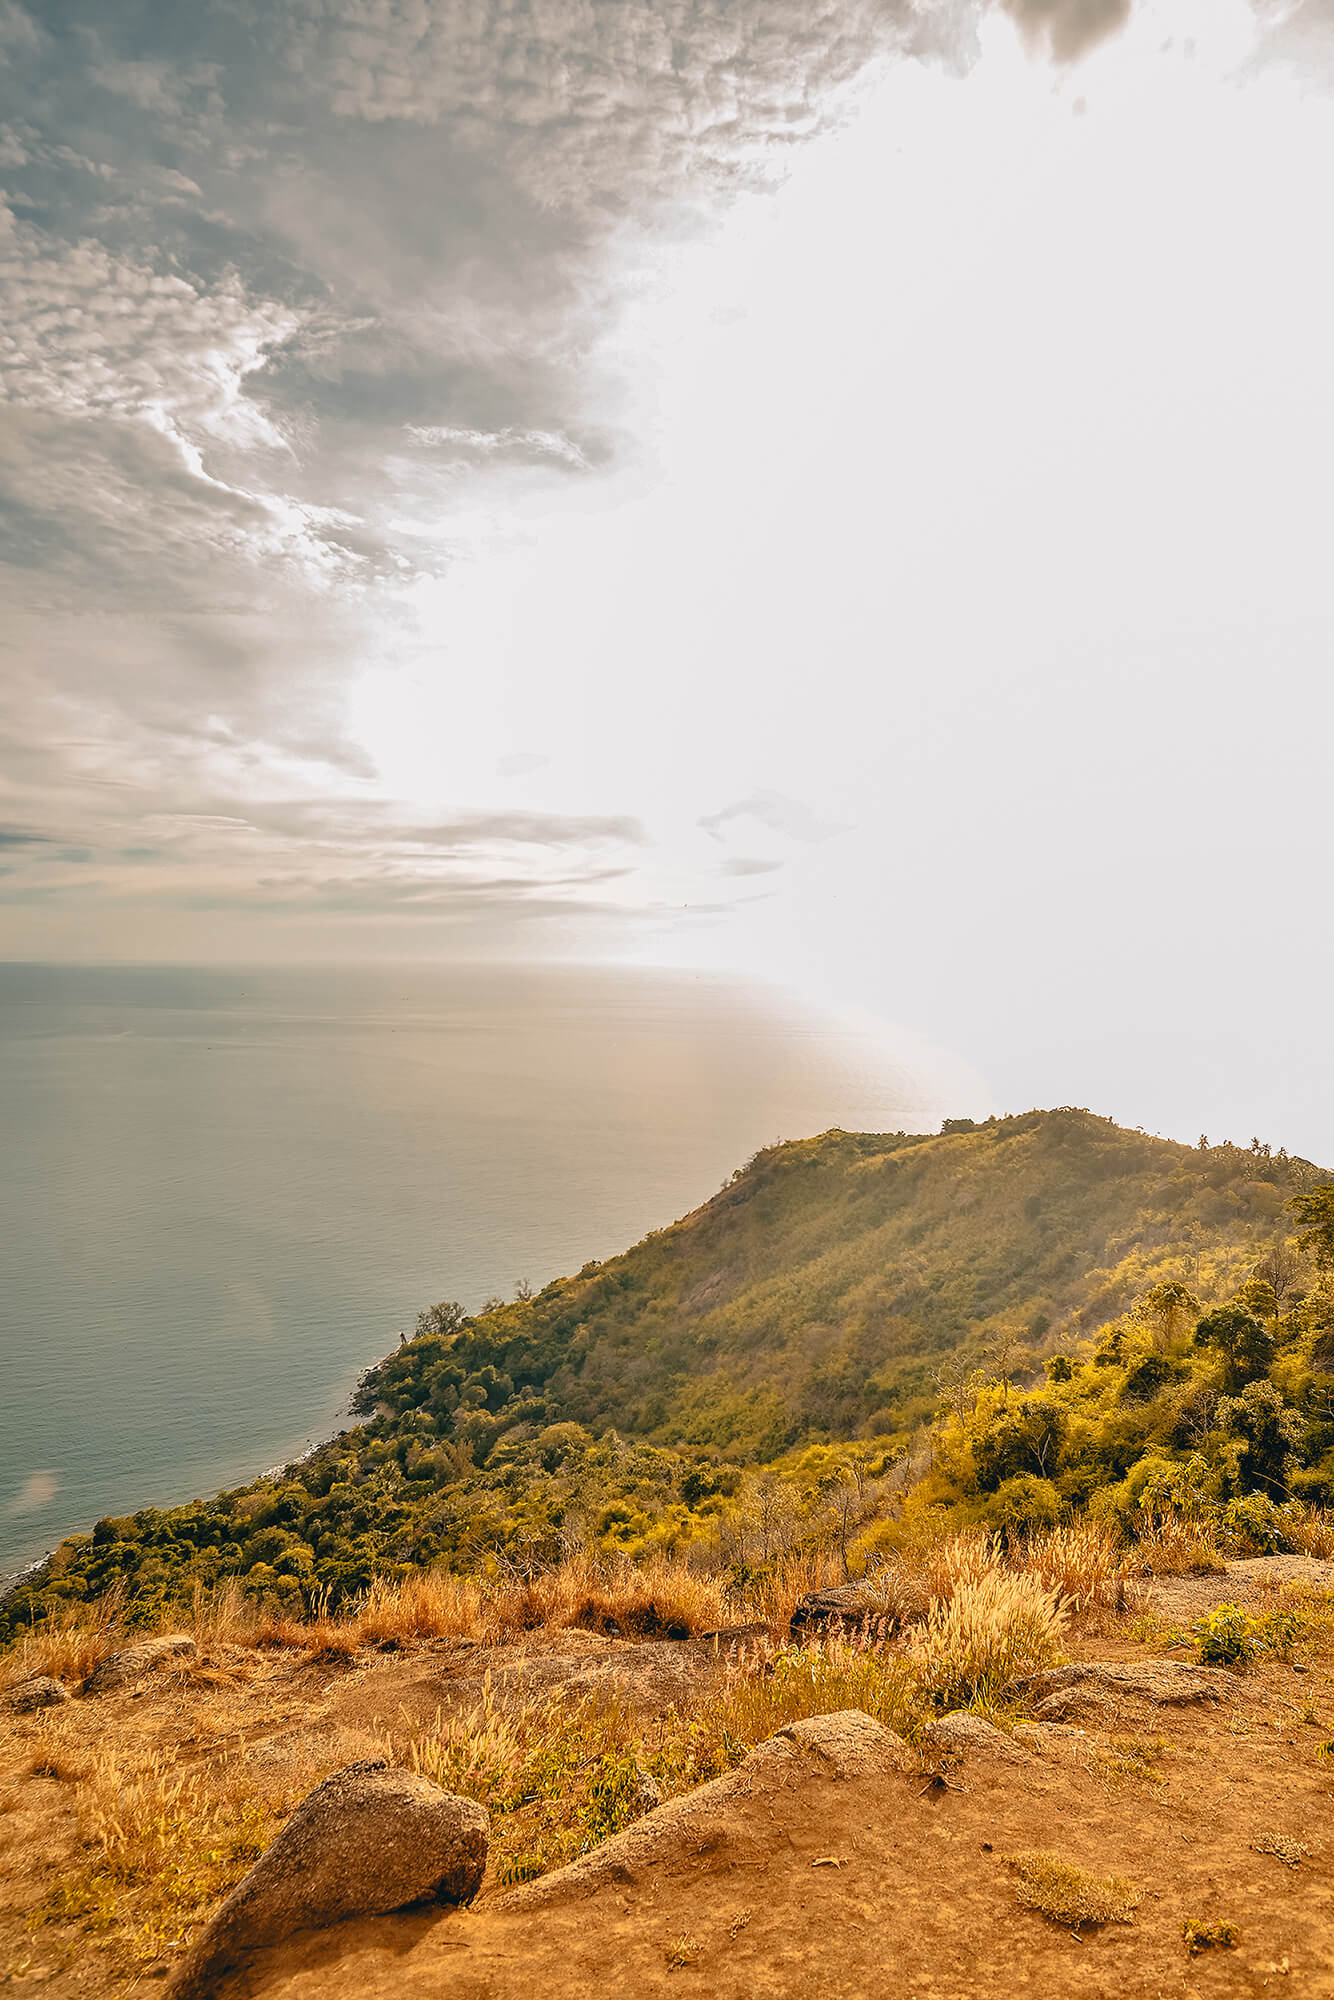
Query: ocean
[224, 1192]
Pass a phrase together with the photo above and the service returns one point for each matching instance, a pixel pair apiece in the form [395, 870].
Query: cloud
[749, 864]
[779, 813]
[284, 293]
[1299, 32]
[512, 442]
[1068, 29]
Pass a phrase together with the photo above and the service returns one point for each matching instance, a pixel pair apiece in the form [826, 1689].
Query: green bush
[1226, 1637]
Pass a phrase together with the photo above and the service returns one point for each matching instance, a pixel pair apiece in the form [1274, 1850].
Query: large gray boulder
[133, 1663]
[368, 1839]
[41, 1691]
[843, 1609]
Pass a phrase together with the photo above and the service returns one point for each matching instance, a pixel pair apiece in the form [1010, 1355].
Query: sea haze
[225, 1192]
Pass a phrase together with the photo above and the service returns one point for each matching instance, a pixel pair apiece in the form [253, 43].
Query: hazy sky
[836, 491]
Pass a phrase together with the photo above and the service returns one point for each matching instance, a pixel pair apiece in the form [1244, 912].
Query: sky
[836, 493]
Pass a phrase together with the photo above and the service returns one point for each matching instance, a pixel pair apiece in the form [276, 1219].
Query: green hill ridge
[835, 1297]
[809, 1297]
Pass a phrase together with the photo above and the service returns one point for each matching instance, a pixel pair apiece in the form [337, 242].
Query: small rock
[368, 1839]
[845, 1607]
[39, 1692]
[135, 1661]
[959, 1732]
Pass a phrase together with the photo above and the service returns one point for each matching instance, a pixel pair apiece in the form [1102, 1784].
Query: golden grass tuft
[67, 1646]
[990, 1632]
[432, 1605]
[1171, 1545]
[1312, 1533]
[1083, 1563]
[1072, 1896]
[55, 1754]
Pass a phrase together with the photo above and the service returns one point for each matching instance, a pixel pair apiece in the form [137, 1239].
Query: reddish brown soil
[800, 1882]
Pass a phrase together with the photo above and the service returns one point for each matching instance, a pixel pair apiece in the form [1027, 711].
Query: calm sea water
[223, 1193]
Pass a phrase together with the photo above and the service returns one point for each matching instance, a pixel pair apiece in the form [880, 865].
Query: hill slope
[716, 1384]
[811, 1296]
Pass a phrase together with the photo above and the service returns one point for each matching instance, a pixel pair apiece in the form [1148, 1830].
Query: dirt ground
[792, 1876]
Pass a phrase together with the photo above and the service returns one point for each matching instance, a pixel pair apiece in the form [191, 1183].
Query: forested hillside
[814, 1295]
[1030, 1316]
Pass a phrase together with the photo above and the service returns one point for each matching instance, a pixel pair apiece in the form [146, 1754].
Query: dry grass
[1312, 1534]
[956, 1563]
[990, 1632]
[1084, 1564]
[162, 1841]
[1068, 1895]
[1128, 1760]
[658, 1599]
[56, 1754]
[67, 1646]
[1171, 1545]
[559, 1775]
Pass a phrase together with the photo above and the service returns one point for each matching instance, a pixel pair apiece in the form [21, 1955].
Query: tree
[1244, 1342]
[953, 1380]
[1281, 1269]
[446, 1318]
[1000, 1355]
[1267, 1431]
[1026, 1437]
[1314, 1211]
[1167, 1309]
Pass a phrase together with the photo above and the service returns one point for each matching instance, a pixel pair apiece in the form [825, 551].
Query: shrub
[1254, 1525]
[1209, 1937]
[1226, 1636]
[989, 1633]
[1024, 1503]
[1068, 1895]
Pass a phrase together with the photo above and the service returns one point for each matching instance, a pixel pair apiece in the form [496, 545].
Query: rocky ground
[834, 1860]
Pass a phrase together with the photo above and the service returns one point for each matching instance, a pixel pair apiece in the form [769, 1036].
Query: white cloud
[85, 332]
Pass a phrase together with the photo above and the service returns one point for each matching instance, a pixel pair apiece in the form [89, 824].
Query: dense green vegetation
[1083, 1316]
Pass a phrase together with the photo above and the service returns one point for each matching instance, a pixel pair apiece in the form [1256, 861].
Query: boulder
[1166, 1682]
[850, 1743]
[959, 1733]
[39, 1692]
[723, 1825]
[134, 1662]
[846, 1607]
[368, 1839]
